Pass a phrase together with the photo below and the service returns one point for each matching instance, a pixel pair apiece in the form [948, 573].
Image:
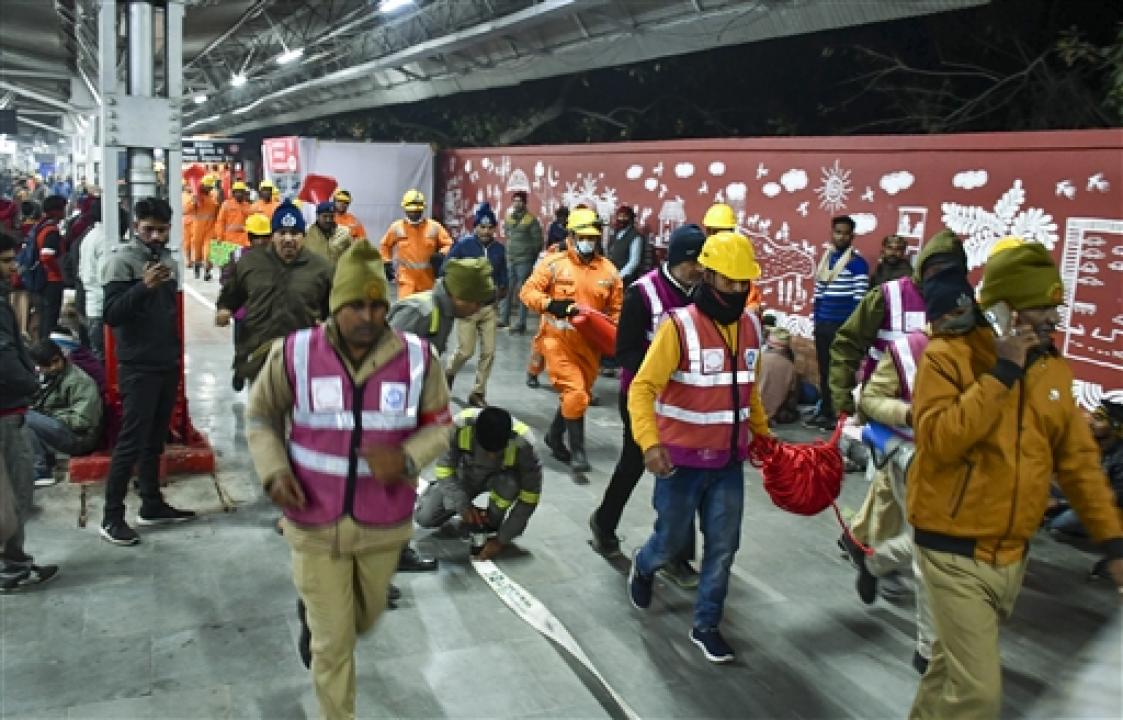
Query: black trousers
[148, 398]
[50, 307]
[824, 336]
[629, 470]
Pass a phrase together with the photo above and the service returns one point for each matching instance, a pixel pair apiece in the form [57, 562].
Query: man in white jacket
[93, 249]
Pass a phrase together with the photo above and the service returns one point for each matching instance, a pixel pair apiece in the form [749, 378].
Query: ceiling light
[238, 80]
[389, 6]
[200, 99]
[290, 55]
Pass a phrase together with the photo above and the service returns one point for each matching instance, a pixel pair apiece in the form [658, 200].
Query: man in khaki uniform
[348, 505]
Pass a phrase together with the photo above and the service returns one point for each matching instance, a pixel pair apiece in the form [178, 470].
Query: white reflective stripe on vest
[719, 417]
[896, 306]
[908, 362]
[317, 461]
[416, 377]
[561, 324]
[721, 379]
[415, 265]
[300, 343]
[648, 287]
[693, 343]
[372, 420]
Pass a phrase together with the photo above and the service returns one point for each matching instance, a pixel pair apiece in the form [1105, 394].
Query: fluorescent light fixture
[238, 80]
[389, 6]
[289, 55]
[200, 99]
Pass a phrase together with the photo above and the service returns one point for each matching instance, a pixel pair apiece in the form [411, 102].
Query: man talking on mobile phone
[995, 421]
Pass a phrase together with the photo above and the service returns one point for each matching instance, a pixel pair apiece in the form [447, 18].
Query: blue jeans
[718, 497]
[50, 435]
[517, 274]
[1068, 523]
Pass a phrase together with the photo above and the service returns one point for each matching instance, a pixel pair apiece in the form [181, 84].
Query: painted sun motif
[835, 188]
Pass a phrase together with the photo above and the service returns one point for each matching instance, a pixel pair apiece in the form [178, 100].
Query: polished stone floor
[197, 621]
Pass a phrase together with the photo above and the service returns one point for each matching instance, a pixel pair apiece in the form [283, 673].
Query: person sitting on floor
[1107, 427]
[80, 355]
[66, 414]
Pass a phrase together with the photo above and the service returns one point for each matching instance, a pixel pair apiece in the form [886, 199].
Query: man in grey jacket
[524, 243]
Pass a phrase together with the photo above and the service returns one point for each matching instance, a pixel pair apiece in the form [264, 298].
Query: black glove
[389, 268]
[560, 308]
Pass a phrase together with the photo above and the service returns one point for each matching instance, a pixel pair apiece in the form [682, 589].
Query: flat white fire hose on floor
[539, 617]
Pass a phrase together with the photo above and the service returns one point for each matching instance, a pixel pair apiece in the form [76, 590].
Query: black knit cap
[946, 291]
[493, 428]
[685, 244]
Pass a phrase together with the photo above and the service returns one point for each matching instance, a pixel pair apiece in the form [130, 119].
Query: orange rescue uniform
[352, 223]
[188, 226]
[416, 245]
[203, 225]
[231, 223]
[265, 208]
[571, 362]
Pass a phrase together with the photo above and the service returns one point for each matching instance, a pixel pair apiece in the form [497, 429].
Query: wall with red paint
[1063, 189]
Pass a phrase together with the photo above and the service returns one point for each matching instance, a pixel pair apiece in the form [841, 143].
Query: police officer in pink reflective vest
[340, 422]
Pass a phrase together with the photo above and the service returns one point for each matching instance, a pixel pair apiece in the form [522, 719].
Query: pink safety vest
[660, 298]
[693, 413]
[332, 418]
[906, 352]
[904, 313]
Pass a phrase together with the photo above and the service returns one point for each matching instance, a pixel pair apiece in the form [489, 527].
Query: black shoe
[163, 515]
[532, 381]
[197, 269]
[304, 644]
[207, 276]
[604, 543]
[412, 561]
[26, 577]
[919, 662]
[554, 439]
[502, 324]
[866, 582]
[118, 532]
[238, 382]
[850, 548]
[576, 431]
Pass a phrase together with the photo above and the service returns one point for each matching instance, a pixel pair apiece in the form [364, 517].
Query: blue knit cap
[288, 217]
[485, 213]
[325, 207]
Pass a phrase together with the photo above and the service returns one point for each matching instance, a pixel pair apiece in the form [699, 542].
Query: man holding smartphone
[995, 421]
[140, 305]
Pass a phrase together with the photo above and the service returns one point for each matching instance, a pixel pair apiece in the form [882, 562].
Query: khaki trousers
[879, 518]
[481, 325]
[969, 599]
[342, 574]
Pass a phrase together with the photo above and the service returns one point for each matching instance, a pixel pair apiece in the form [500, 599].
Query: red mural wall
[1062, 189]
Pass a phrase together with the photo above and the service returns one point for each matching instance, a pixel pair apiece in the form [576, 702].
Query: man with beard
[141, 306]
[340, 422]
[695, 407]
[325, 238]
[995, 421]
[892, 264]
[282, 287]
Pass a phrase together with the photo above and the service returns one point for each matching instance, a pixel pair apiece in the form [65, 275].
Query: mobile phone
[1000, 317]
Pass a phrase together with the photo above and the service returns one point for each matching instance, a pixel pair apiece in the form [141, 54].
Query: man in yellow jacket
[581, 277]
[344, 218]
[417, 239]
[995, 422]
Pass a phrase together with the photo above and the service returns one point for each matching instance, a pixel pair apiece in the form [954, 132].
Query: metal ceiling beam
[36, 74]
[44, 126]
[39, 96]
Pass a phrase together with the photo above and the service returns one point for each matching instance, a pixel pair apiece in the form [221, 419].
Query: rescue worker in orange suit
[721, 218]
[417, 239]
[267, 201]
[580, 278]
[345, 219]
[231, 223]
[188, 200]
[203, 230]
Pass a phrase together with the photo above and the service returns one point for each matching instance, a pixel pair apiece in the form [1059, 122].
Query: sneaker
[532, 381]
[639, 585]
[118, 532]
[681, 573]
[32, 575]
[713, 644]
[304, 644]
[604, 543]
[919, 662]
[163, 515]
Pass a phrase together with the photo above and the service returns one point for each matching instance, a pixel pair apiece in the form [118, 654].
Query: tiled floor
[198, 620]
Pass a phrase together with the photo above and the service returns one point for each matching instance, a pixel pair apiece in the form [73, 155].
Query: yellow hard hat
[207, 181]
[720, 217]
[730, 254]
[266, 185]
[258, 224]
[297, 202]
[584, 222]
[239, 185]
[413, 200]
[1005, 243]
[344, 196]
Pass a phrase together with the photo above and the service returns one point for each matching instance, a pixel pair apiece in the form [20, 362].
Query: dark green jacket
[857, 334]
[524, 238]
[74, 400]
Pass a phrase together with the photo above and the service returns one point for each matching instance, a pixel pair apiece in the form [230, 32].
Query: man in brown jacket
[995, 420]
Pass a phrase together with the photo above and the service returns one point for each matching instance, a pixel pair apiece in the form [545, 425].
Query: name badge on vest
[393, 398]
[713, 360]
[327, 394]
[750, 363]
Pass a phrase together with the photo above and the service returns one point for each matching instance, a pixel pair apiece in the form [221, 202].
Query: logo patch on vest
[393, 397]
[327, 394]
[750, 358]
[713, 360]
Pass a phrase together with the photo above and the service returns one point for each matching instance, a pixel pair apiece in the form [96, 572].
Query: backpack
[31, 271]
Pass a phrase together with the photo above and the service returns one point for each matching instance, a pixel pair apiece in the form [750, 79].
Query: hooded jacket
[857, 334]
[144, 321]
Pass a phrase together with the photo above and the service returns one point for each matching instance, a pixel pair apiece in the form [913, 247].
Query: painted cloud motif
[970, 179]
[894, 182]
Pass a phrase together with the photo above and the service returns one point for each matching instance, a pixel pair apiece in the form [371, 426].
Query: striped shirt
[835, 301]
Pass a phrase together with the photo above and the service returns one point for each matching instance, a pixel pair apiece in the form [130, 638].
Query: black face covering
[723, 308]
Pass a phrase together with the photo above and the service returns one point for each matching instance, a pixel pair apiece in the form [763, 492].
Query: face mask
[586, 247]
[724, 308]
[958, 325]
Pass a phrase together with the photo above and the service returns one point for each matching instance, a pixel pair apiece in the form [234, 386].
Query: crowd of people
[964, 401]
